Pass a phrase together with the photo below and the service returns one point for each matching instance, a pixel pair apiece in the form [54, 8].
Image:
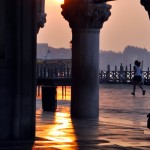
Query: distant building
[42, 51]
[109, 58]
[127, 57]
[49, 53]
[53, 56]
[132, 53]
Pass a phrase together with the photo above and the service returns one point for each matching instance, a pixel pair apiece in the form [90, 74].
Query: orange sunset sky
[128, 24]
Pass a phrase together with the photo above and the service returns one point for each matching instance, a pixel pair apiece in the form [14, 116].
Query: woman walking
[137, 79]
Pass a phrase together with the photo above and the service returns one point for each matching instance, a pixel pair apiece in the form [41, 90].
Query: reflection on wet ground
[121, 125]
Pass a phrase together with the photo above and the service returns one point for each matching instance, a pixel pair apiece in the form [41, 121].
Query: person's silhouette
[137, 79]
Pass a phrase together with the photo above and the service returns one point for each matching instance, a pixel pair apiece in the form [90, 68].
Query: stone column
[17, 69]
[85, 20]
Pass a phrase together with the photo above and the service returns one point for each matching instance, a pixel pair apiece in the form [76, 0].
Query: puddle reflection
[59, 132]
[63, 92]
[56, 127]
[122, 121]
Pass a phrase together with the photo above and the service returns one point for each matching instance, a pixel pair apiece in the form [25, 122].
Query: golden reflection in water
[63, 93]
[63, 130]
[58, 130]
[57, 127]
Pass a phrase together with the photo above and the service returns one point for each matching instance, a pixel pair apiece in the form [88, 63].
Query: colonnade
[19, 26]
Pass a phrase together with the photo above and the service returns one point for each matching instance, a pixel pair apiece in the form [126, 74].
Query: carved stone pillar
[41, 15]
[85, 19]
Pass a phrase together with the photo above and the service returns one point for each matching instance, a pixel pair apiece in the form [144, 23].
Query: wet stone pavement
[120, 126]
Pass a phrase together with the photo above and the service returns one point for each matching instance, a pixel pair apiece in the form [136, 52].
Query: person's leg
[134, 87]
[140, 86]
[143, 91]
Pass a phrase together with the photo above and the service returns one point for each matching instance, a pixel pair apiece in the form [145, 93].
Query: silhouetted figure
[137, 79]
[148, 121]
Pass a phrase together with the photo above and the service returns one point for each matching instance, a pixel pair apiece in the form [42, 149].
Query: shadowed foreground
[121, 126]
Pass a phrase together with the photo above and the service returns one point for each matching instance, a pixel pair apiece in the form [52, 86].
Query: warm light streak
[57, 127]
[60, 1]
[59, 132]
[64, 93]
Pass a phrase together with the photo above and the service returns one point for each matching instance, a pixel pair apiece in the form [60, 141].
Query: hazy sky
[128, 24]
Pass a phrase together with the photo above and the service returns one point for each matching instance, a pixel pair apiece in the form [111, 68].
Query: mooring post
[49, 99]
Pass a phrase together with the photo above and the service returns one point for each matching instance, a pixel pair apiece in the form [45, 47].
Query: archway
[18, 58]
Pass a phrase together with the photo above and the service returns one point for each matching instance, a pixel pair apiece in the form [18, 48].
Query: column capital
[41, 15]
[41, 20]
[82, 15]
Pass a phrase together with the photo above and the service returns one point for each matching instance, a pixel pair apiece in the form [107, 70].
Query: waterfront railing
[122, 75]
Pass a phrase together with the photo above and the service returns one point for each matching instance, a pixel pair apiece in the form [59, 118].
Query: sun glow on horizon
[60, 1]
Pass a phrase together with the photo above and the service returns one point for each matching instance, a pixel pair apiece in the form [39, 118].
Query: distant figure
[148, 121]
[137, 79]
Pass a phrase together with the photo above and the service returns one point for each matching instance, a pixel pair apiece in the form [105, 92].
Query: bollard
[49, 100]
